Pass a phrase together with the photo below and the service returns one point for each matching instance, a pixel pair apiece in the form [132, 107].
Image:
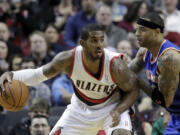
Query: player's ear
[158, 31]
[82, 42]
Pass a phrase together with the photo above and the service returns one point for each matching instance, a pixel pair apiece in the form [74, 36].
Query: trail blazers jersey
[89, 89]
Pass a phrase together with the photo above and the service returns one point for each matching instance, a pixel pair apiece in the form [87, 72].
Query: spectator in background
[39, 106]
[5, 35]
[118, 9]
[39, 125]
[172, 16]
[125, 47]
[104, 19]
[62, 12]
[76, 22]
[39, 52]
[15, 62]
[52, 38]
[27, 63]
[62, 90]
[4, 65]
[41, 90]
[136, 9]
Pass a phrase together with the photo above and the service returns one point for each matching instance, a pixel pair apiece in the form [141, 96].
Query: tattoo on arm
[169, 67]
[137, 64]
[60, 63]
[123, 76]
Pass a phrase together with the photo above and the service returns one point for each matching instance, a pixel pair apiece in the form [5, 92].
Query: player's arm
[137, 64]
[168, 80]
[127, 81]
[60, 63]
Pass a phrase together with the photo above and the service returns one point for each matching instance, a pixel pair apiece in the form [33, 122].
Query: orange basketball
[15, 96]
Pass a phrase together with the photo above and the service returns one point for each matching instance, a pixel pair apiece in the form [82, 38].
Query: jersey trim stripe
[144, 55]
[111, 62]
[154, 60]
[170, 48]
[102, 67]
[72, 62]
[90, 101]
[165, 50]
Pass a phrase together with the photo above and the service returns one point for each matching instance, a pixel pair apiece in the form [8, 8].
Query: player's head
[39, 125]
[149, 28]
[92, 41]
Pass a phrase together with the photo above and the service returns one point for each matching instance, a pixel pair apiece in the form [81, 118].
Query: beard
[91, 57]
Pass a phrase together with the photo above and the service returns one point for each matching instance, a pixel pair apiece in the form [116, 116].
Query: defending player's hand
[6, 77]
[115, 118]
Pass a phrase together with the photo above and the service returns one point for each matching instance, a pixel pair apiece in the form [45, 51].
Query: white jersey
[89, 89]
[93, 100]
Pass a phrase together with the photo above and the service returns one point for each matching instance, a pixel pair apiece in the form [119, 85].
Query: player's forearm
[30, 76]
[145, 87]
[127, 101]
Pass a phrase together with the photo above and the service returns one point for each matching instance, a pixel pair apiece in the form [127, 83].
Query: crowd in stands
[32, 32]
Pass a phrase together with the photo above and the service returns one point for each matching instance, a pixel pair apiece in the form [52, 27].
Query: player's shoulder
[170, 58]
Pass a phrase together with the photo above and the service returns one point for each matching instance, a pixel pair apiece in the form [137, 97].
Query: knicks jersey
[152, 72]
[91, 90]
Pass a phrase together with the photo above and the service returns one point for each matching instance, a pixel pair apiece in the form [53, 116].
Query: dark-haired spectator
[15, 62]
[104, 19]
[5, 35]
[39, 125]
[39, 106]
[52, 38]
[76, 22]
[62, 12]
[136, 9]
[27, 63]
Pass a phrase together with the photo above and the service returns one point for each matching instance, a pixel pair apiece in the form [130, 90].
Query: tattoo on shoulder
[168, 61]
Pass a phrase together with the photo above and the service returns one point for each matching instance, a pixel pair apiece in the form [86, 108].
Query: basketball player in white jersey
[97, 75]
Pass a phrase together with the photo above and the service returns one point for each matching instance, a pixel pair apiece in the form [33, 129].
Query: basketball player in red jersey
[97, 75]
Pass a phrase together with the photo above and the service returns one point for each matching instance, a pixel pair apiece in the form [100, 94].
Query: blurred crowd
[32, 32]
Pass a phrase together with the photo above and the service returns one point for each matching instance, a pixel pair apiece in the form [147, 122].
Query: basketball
[15, 96]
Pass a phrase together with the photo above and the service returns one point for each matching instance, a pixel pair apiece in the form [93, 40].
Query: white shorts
[79, 119]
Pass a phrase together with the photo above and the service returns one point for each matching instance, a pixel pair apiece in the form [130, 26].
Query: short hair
[89, 28]
[155, 18]
[40, 103]
[40, 33]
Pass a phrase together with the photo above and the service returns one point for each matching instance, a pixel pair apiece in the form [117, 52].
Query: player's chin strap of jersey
[158, 97]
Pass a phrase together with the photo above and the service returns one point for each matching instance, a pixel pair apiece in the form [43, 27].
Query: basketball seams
[6, 101]
[10, 92]
[16, 99]
[20, 93]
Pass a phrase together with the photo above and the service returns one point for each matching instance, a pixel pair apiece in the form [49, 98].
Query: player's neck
[155, 47]
[91, 65]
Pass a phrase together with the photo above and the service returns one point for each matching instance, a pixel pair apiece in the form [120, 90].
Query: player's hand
[6, 77]
[115, 118]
